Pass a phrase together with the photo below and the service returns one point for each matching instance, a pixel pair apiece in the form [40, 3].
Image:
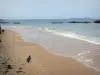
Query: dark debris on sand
[20, 68]
[6, 67]
[6, 71]
[18, 71]
[9, 67]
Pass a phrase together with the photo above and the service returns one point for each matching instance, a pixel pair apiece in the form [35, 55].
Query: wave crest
[90, 39]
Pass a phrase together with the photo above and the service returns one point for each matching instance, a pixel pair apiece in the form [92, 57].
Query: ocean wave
[87, 59]
[90, 39]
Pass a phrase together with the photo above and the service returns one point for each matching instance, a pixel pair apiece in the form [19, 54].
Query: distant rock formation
[86, 22]
[57, 22]
[79, 22]
[3, 21]
[16, 22]
[97, 21]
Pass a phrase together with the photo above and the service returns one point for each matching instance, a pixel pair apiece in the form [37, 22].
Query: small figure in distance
[2, 30]
[28, 59]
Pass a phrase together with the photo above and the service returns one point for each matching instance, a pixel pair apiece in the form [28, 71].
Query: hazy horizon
[49, 9]
[54, 19]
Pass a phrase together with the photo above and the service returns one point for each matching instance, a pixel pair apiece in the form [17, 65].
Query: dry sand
[15, 51]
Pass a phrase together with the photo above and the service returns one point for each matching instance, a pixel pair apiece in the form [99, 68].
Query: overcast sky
[42, 9]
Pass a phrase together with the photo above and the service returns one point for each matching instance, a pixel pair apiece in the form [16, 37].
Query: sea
[51, 36]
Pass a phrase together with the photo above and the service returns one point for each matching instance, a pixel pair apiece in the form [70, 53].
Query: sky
[49, 9]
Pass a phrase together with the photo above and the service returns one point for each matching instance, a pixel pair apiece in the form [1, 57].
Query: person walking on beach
[29, 58]
[0, 33]
[0, 29]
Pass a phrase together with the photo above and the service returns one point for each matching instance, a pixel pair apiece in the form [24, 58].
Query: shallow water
[89, 32]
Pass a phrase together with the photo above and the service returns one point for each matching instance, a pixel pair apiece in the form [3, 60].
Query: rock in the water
[97, 21]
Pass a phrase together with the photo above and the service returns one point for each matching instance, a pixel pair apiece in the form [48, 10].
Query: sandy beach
[14, 51]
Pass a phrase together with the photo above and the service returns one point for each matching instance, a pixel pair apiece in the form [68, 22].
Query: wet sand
[15, 51]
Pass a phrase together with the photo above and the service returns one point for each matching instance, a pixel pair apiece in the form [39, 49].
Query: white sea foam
[73, 35]
[61, 33]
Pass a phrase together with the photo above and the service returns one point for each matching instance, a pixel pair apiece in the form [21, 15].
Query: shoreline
[43, 63]
[69, 40]
[72, 57]
[57, 33]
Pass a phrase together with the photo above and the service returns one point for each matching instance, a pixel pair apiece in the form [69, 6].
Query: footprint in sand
[5, 72]
[20, 68]
[19, 71]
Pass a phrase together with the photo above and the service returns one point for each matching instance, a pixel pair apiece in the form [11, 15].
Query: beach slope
[42, 62]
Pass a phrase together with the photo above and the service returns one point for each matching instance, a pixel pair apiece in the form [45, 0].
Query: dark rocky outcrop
[3, 21]
[16, 22]
[72, 22]
[79, 22]
[86, 22]
[57, 22]
[97, 21]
